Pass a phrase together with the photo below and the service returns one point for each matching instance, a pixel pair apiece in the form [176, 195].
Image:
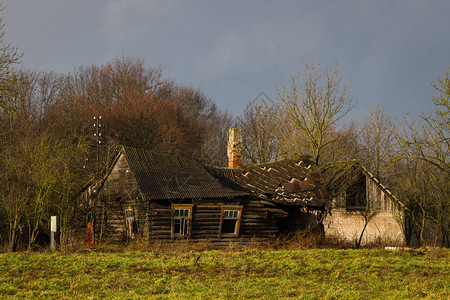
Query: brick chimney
[234, 148]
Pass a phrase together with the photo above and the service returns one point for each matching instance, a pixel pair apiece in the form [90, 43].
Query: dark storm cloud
[390, 50]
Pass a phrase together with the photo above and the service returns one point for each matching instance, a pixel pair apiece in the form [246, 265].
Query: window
[130, 224]
[230, 220]
[181, 220]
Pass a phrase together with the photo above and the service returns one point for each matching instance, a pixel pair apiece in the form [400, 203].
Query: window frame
[187, 234]
[237, 226]
[129, 221]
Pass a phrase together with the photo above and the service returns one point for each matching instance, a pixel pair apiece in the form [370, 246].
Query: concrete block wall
[347, 226]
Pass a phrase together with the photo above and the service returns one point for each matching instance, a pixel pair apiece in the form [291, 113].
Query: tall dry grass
[300, 240]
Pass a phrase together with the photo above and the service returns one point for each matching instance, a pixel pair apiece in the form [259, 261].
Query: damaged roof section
[288, 182]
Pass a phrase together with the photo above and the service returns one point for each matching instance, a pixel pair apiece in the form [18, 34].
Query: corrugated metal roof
[267, 180]
[161, 176]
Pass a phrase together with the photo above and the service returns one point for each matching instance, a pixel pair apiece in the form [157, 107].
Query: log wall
[110, 219]
[120, 191]
[121, 181]
[154, 219]
[255, 223]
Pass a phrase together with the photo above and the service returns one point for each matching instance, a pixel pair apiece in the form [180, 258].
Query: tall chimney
[234, 148]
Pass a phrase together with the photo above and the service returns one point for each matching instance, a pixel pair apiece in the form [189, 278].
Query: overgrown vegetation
[306, 274]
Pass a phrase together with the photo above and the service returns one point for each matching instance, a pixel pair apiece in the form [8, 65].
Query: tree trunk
[358, 244]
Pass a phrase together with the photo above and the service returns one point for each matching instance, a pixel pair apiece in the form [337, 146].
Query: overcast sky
[391, 51]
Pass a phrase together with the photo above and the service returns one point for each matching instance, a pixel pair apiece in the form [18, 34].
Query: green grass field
[307, 274]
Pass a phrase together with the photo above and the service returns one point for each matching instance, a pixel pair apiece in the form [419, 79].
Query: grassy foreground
[308, 274]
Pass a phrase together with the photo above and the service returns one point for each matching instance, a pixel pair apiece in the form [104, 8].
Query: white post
[52, 232]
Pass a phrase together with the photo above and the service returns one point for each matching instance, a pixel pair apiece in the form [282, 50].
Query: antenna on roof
[97, 135]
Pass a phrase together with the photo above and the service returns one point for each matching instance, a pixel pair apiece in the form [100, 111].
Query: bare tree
[118, 80]
[214, 151]
[424, 150]
[260, 123]
[425, 192]
[442, 103]
[194, 103]
[313, 110]
[10, 205]
[340, 167]
[368, 214]
[9, 56]
[32, 95]
[429, 139]
[13, 193]
[48, 89]
[377, 142]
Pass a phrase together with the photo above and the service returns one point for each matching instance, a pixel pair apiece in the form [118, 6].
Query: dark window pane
[128, 213]
[177, 226]
[228, 226]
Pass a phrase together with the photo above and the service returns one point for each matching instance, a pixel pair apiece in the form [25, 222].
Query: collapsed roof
[287, 182]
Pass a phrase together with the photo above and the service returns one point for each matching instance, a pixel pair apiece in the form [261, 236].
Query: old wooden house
[368, 211]
[165, 198]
